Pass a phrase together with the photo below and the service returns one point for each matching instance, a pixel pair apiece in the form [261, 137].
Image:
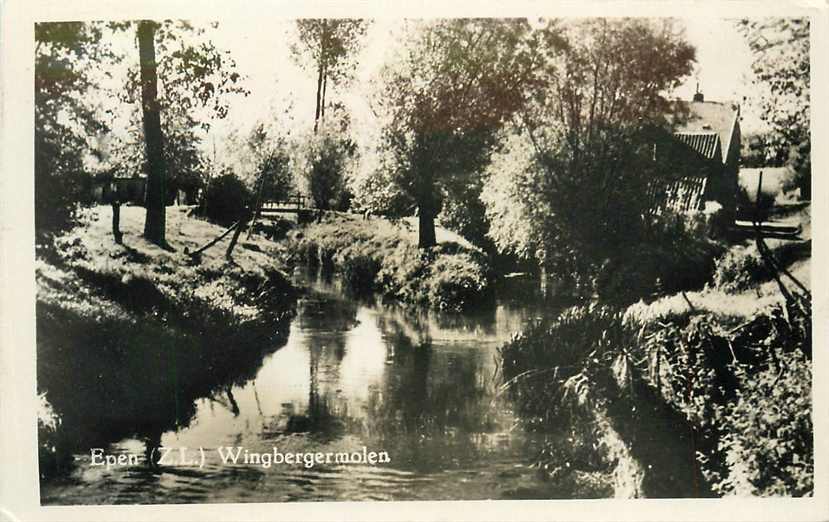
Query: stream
[417, 388]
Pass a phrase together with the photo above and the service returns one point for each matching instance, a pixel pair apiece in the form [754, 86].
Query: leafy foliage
[673, 254]
[374, 255]
[64, 119]
[196, 80]
[329, 47]
[273, 176]
[768, 444]
[569, 185]
[739, 270]
[442, 103]
[328, 163]
[781, 73]
[227, 199]
[743, 394]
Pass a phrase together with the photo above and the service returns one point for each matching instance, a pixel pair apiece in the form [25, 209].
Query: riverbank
[694, 394]
[136, 332]
[377, 254]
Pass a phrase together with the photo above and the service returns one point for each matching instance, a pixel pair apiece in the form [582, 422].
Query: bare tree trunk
[324, 88]
[320, 76]
[426, 228]
[319, 94]
[116, 221]
[155, 222]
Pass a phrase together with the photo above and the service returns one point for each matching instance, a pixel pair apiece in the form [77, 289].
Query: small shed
[124, 189]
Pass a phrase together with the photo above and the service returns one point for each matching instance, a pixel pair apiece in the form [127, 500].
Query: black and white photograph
[304, 259]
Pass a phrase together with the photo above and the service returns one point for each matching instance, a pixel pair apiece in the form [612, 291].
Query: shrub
[747, 392]
[449, 276]
[740, 269]
[326, 173]
[61, 184]
[456, 281]
[675, 255]
[742, 394]
[359, 273]
[227, 199]
[768, 442]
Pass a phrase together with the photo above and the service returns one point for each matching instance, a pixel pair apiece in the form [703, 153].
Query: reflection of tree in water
[323, 417]
[322, 312]
[433, 403]
[333, 319]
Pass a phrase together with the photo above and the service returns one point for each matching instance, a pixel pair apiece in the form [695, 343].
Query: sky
[723, 69]
[279, 87]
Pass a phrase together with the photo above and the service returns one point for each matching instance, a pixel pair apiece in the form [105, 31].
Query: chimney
[698, 97]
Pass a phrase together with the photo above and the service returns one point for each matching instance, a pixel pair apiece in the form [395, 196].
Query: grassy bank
[694, 394]
[128, 336]
[376, 254]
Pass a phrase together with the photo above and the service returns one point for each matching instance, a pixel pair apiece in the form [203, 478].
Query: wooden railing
[291, 203]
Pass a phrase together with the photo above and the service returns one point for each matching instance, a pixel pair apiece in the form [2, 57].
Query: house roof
[699, 123]
[683, 195]
[706, 143]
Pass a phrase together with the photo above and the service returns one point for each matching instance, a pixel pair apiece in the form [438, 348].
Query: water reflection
[418, 385]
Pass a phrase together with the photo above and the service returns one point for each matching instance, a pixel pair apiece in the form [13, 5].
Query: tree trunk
[426, 228]
[116, 222]
[154, 224]
[542, 276]
[324, 88]
[319, 94]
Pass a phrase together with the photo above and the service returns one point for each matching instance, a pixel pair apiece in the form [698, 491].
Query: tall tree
[569, 184]
[329, 48]
[444, 100]
[193, 80]
[781, 74]
[154, 225]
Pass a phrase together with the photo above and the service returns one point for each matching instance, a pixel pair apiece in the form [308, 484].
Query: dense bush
[741, 396]
[227, 199]
[748, 392]
[676, 254]
[739, 269]
[768, 442]
[455, 281]
[370, 257]
[360, 272]
[326, 173]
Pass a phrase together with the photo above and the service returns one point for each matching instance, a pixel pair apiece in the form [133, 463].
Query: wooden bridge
[294, 203]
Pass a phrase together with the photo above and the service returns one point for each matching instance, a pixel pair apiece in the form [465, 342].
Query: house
[702, 156]
[126, 190]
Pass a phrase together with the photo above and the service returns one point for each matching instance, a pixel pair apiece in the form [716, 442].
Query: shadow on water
[119, 378]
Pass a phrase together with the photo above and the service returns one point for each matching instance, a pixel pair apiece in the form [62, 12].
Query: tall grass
[699, 408]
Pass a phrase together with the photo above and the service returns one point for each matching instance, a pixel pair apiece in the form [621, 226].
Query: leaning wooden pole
[216, 240]
[258, 204]
[239, 228]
